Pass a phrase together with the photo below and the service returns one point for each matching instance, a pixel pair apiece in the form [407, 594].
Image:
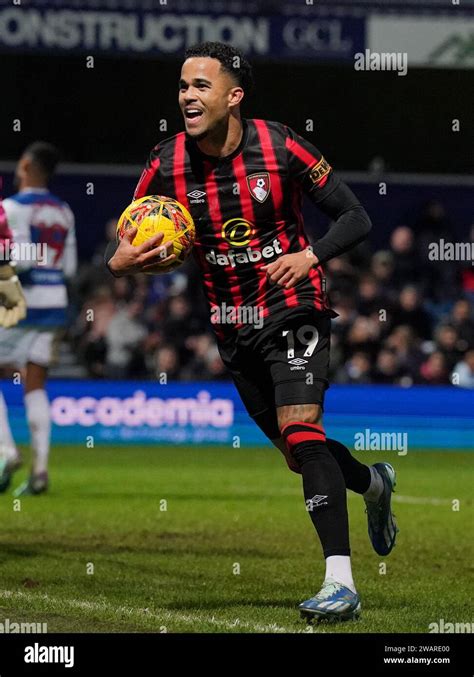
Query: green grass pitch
[234, 550]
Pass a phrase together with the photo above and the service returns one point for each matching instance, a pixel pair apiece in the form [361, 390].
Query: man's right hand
[12, 300]
[149, 257]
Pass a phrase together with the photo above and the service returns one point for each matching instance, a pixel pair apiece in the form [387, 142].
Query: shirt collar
[28, 189]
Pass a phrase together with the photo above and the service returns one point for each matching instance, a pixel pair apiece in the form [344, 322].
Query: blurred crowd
[143, 326]
[402, 318]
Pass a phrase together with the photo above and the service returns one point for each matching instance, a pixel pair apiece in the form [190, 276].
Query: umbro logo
[315, 502]
[196, 196]
[298, 361]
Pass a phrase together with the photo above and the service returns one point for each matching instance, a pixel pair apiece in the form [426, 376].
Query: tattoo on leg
[303, 413]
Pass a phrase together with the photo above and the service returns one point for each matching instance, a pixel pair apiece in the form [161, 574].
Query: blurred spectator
[356, 370]
[406, 258]
[383, 267]
[447, 341]
[411, 312]
[200, 346]
[179, 322]
[463, 373]
[110, 232]
[167, 364]
[363, 336]
[387, 368]
[441, 277]
[405, 344]
[461, 319]
[93, 274]
[346, 310]
[371, 299]
[432, 225]
[90, 330]
[122, 290]
[124, 338]
[467, 274]
[467, 281]
[341, 276]
[216, 367]
[206, 363]
[435, 370]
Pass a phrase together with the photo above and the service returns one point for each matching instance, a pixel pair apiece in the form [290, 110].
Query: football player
[44, 235]
[243, 181]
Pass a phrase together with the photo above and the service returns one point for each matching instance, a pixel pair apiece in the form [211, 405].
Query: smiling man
[243, 180]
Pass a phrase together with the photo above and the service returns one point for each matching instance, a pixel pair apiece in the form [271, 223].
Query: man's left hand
[291, 268]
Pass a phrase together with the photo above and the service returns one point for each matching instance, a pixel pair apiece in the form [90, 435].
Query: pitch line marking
[397, 498]
[162, 618]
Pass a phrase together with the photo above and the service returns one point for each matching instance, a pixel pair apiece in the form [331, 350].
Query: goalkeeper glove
[12, 301]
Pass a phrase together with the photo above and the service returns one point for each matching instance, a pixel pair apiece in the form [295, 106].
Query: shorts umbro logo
[298, 361]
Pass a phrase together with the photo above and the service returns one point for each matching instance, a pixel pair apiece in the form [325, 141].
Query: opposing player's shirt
[247, 211]
[45, 249]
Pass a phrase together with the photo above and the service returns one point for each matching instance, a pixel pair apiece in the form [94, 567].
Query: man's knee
[301, 427]
[298, 423]
[36, 376]
[268, 424]
[290, 461]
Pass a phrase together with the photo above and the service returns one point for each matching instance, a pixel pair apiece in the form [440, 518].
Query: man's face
[206, 93]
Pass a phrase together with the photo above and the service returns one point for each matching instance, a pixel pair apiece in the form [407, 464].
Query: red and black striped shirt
[247, 211]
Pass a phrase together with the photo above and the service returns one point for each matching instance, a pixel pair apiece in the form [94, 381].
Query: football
[155, 213]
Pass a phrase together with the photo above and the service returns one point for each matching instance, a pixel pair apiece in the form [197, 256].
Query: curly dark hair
[232, 61]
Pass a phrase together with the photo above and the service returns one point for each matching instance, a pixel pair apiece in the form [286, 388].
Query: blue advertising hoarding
[309, 30]
[212, 413]
[167, 32]
[430, 33]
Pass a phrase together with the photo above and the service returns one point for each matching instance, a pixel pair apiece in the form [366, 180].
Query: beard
[198, 137]
[216, 130]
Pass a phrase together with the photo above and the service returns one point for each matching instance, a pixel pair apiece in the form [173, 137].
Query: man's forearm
[351, 224]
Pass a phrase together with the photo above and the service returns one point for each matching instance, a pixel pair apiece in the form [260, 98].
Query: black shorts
[285, 362]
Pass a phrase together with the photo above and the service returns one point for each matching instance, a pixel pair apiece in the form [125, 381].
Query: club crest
[259, 185]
